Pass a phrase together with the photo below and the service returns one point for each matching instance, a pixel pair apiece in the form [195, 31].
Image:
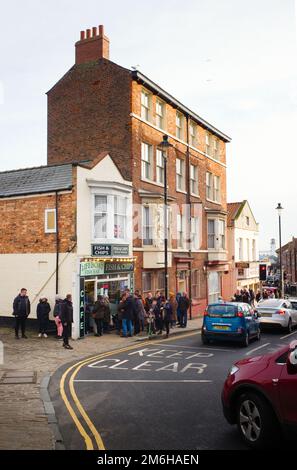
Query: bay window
[147, 225]
[216, 234]
[110, 217]
[100, 217]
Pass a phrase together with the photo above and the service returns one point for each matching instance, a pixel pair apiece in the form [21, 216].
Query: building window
[222, 242]
[180, 175]
[254, 250]
[247, 249]
[179, 227]
[247, 220]
[146, 161]
[179, 125]
[216, 189]
[100, 217]
[216, 153]
[147, 225]
[146, 282]
[195, 281]
[211, 233]
[160, 114]
[209, 186]
[160, 280]
[241, 249]
[120, 217]
[194, 233]
[193, 134]
[50, 222]
[214, 289]
[145, 105]
[207, 143]
[160, 166]
[194, 179]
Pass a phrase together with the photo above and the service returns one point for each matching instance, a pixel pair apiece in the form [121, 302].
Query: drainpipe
[57, 245]
[189, 212]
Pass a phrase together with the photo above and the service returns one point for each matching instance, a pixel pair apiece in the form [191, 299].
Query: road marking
[204, 348]
[256, 349]
[290, 334]
[143, 381]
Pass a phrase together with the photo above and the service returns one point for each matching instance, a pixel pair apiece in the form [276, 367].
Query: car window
[283, 358]
[221, 310]
[294, 305]
[289, 305]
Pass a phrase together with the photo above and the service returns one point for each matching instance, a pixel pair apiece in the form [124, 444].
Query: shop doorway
[112, 288]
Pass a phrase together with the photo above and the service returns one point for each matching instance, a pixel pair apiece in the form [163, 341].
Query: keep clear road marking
[290, 334]
[256, 349]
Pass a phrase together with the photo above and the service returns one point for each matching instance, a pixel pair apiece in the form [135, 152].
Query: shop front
[102, 276]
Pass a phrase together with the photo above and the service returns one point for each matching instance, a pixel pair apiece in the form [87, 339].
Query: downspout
[189, 207]
[57, 244]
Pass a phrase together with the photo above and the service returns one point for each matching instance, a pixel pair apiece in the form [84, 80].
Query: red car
[260, 396]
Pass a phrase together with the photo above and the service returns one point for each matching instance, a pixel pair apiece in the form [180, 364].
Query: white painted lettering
[146, 363]
[170, 367]
[117, 366]
[199, 367]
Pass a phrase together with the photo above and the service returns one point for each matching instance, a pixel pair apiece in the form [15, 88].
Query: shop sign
[110, 250]
[91, 268]
[242, 265]
[119, 267]
[82, 308]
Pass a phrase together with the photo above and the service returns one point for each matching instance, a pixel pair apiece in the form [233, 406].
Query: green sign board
[91, 268]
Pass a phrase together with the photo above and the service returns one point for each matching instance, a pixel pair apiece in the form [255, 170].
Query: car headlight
[233, 370]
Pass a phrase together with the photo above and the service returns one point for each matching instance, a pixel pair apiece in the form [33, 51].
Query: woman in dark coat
[43, 310]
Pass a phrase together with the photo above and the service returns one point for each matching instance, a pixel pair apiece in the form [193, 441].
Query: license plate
[266, 314]
[221, 327]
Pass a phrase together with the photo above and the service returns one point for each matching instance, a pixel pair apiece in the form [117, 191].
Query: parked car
[293, 301]
[277, 313]
[259, 395]
[225, 321]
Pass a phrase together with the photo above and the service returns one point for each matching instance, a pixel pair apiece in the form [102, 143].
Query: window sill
[155, 183]
[181, 191]
[195, 195]
[214, 202]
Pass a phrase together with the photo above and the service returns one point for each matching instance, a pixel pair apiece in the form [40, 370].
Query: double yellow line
[88, 430]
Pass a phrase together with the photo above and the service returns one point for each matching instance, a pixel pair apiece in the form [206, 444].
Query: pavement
[27, 417]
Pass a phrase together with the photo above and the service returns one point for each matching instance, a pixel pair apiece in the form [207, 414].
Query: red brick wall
[22, 224]
[89, 112]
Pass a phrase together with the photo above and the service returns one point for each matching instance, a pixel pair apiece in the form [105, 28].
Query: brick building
[49, 217]
[99, 106]
[289, 261]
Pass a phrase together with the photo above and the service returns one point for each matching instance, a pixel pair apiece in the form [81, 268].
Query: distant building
[289, 261]
[243, 251]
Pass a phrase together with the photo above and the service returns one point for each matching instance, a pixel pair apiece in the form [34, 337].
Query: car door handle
[275, 381]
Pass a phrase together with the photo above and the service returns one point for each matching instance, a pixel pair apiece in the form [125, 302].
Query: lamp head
[279, 209]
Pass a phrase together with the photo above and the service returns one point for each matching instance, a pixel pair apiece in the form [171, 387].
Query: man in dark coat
[21, 311]
[99, 314]
[183, 305]
[128, 314]
[67, 320]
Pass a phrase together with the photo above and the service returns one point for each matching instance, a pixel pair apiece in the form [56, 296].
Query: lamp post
[279, 209]
[165, 146]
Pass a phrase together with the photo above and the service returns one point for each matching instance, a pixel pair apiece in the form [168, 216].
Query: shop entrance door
[112, 288]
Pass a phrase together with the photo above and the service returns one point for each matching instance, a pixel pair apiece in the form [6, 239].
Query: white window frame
[46, 213]
[254, 250]
[240, 249]
[209, 186]
[146, 105]
[216, 148]
[193, 134]
[207, 143]
[194, 187]
[180, 230]
[110, 218]
[145, 273]
[160, 114]
[159, 166]
[211, 235]
[180, 174]
[119, 214]
[147, 209]
[146, 161]
[179, 125]
[222, 234]
[216, 188]
[218, 236]
[194, 233]
[97, 213]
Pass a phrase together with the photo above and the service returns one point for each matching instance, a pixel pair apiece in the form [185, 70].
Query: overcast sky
[231, 61]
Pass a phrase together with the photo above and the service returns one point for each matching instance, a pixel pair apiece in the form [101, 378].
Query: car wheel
[256, 423]
[246, 340]
[290, 327]
[204, 339]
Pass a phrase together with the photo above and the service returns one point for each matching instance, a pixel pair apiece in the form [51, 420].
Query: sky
[231, 61]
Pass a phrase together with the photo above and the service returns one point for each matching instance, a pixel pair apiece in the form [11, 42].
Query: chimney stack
[93, 45]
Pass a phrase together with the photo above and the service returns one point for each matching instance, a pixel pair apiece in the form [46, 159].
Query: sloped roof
[35, 180]
[232, 211]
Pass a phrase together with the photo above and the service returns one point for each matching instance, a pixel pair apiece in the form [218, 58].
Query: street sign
[110, 250]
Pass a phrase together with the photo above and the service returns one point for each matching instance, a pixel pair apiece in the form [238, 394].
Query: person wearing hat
[57, 316]
[43, 310]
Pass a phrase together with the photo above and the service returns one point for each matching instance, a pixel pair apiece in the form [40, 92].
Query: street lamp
[279, 209]
[165, 146]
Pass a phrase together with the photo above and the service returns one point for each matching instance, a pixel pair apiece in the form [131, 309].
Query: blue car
[230, 321]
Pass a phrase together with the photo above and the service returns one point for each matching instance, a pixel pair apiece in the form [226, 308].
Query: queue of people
[134, 314]
[248, 296]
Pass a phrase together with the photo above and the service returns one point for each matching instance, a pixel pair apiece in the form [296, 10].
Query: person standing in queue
[128, 314]
[184, 304]
[67, 320]
[167, 316]
[42, 312]
[21, 311]
[98, 314]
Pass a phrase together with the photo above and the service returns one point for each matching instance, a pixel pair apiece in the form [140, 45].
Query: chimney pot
[94, 31]
[82, 35]
[90, 51]
[101, 30]
[88, 33]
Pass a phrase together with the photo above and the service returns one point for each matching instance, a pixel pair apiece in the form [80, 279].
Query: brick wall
[89, 112]
[22, 224]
